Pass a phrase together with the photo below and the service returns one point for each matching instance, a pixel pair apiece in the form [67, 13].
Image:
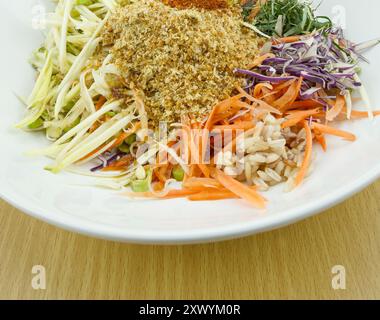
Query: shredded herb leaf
[284, 18]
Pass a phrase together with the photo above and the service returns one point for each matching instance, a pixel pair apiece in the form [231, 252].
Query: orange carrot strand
[307, 158]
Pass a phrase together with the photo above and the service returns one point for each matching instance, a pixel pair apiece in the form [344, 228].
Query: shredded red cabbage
[107, 161]
[325, 60]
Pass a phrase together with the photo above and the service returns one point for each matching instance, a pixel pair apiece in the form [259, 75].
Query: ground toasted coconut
[205, 4]
[182, 60]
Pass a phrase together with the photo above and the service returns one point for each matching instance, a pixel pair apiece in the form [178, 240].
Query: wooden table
[294, 262]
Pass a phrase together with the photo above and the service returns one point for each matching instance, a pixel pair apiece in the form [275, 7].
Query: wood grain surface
[293, 262]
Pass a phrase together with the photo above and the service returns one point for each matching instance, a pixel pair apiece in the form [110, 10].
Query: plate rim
[219, 233]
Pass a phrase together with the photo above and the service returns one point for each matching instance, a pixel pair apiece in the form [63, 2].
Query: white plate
[344, 170]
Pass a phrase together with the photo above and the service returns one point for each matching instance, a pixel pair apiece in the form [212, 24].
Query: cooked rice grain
[272, 155]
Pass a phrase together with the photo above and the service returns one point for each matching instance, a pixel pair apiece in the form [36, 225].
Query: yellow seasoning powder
[181, 60]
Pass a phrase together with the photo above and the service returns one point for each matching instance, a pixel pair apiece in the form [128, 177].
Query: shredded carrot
[255, 11]
[336, 109]
[177, 148]
[212, 195]
[287, 40]
[120, 139]
[304, 104]
[160, 173]
[243, 125]
[120, 164]
[247, 117]
[289, 97]
[196, 154]
[102, 100]
[283, 85]
[360, 114]
[193, 194]
[195, 171]
[95, 126]
[298, 90]
[269, 96]
[261, 104]
[333, 131]
[307, 158]
[296, 117]
[259, 60]
[286, 98]
[219, 108]
[239, 189]
[204, 169]
[202, 148]
[172, 194]
[259, 87]
[124, 135]
[237, 104]
[192, 183]
[158, 186]
[179, 193]
[321, 139]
